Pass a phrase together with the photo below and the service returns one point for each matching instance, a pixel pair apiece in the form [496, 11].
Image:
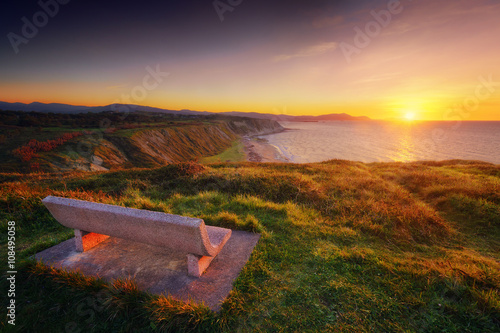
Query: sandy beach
[259, 150]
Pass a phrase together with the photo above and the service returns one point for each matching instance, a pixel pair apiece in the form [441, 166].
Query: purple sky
[427, 59]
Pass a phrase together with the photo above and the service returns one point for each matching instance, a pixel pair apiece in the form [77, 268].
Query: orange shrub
[28, 151]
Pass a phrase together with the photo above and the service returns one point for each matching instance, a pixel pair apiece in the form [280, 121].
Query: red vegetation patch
[28, 151]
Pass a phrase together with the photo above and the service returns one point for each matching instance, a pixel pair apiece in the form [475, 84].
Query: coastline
[370, 142]
[259, 150]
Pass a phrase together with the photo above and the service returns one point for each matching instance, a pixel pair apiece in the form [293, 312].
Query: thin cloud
[379, 78]
[438, 14]
[309, 51]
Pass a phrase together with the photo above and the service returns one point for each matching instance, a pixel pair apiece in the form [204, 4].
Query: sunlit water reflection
[374, 141]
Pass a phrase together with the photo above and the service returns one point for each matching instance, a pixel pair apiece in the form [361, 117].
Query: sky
[413, 59]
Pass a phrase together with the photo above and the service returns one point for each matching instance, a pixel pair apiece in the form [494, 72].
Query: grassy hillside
[345, 247]
[236, 153]
[110, 141]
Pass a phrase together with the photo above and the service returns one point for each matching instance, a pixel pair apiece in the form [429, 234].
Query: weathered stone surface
[158, 270]
[156, 228]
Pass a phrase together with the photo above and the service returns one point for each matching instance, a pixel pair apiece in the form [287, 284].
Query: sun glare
[410, 116]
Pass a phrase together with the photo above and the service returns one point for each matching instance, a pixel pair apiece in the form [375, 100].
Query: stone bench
[95, 222]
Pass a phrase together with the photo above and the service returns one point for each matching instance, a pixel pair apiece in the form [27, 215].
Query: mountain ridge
[68, 108]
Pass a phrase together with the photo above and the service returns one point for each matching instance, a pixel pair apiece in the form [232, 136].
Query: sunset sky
[422, 59]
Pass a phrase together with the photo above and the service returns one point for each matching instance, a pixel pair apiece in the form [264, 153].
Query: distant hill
[41, 107]
[284, 117]
[67, 108]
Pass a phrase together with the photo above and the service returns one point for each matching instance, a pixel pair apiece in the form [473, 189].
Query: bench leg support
[86, 240]
[197, 264]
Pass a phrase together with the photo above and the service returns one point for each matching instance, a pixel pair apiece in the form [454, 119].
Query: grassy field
[20, 136]
[345, 247]
[143, 140]
[235, 153]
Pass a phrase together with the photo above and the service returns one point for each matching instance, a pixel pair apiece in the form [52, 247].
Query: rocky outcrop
[249, 126]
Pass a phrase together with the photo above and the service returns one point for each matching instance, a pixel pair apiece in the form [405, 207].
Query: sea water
[385, 141]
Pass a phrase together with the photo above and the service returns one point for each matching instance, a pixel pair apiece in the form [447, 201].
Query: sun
[410, 116]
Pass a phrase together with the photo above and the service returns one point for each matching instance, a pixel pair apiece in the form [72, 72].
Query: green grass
[198, 144]
[235, 153]
[345, 247]
[19, 136]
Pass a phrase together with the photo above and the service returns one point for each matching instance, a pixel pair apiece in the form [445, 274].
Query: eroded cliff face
[160, 146]
[248, 126]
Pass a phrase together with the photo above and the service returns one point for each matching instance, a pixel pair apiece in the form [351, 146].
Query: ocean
[385, 141]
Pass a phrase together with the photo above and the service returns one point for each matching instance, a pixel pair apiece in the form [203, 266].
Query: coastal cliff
[149, 147]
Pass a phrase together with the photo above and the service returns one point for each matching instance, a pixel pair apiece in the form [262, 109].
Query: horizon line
[402, 119]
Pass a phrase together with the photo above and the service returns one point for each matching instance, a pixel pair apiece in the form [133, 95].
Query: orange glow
[424, 65]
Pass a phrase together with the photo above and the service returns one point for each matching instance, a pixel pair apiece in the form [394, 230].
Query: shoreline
[259, 150]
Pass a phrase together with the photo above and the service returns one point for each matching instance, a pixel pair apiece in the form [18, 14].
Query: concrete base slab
[156, 269]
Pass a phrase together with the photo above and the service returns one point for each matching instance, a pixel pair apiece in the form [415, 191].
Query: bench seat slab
[94, 222]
